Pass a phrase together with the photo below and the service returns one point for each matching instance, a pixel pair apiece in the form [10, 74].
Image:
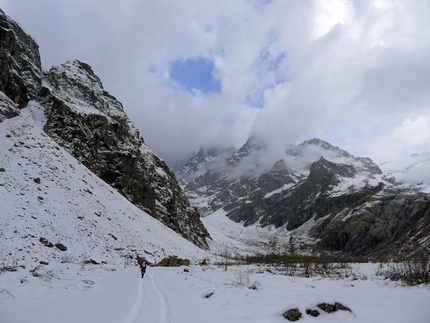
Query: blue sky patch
[195, 75]
[255, 100]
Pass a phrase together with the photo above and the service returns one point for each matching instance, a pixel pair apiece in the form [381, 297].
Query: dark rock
[46, 243]
[330, 308]
[20, 66]
[61, 247]
[292, 315]
[340, 307]
[313, 313]
[209, 295]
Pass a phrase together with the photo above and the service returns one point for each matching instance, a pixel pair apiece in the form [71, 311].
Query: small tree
[291, 246]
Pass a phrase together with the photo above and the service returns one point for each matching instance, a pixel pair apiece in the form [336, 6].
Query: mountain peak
[316, 142]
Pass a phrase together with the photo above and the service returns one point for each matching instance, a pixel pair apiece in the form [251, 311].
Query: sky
[194, 74]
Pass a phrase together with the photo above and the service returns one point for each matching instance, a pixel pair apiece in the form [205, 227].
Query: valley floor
[172, 295]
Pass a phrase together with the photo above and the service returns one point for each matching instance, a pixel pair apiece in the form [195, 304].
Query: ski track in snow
[164, 303]
[134, 313]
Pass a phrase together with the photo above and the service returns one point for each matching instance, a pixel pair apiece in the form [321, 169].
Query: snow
[279, 190]
[171, 295]
[235, 239]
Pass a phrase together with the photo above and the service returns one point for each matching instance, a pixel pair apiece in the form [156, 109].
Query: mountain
[54, 209]
[90, 125]
[318, 197]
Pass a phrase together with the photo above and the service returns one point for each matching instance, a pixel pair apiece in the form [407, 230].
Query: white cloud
[407, 138]
[352, 70]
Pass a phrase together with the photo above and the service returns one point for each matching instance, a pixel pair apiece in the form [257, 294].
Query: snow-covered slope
[47, 197]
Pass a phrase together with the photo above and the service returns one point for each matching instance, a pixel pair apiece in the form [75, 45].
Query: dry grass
[411, 271]
[300, 259]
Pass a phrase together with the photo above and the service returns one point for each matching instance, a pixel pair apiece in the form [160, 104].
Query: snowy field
[69, 294]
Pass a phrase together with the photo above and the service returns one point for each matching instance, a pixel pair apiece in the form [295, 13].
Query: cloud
[349, 71]
[406, 139]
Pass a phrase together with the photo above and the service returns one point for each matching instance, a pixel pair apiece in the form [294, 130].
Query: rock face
[20, 67]
[335, 202]
[93, 127]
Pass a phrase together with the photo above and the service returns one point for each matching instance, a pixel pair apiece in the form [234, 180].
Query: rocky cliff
[93, 127]
[21, 71]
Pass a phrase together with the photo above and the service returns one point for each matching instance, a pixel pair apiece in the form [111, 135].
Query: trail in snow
[164, 303]
[148, 295]
[134, 313]
[170, 295]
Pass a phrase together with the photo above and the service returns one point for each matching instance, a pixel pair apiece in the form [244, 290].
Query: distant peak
[318, 142]
[279, 167]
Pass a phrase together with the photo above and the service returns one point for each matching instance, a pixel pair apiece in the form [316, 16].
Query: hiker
[142, 266]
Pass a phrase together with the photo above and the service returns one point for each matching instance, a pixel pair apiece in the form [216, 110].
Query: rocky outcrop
[294, 314]
[390, 224]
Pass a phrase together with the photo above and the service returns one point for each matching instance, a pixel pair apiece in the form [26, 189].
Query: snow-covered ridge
[75, 82]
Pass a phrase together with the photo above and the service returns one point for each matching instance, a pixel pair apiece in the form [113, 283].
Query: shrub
[68, 259]
[173, 261]
[242, 278]
[8, 260]
[412, 271]
[41, 272]
[309, 266]
[300, 259]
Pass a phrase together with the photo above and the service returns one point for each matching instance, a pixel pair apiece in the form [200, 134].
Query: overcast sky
[193, 73]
